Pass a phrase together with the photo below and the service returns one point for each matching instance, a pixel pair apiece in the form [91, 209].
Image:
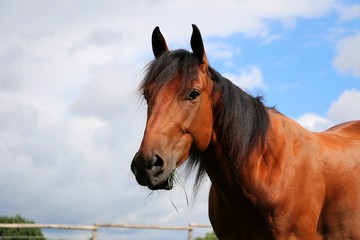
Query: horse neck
[262, 169]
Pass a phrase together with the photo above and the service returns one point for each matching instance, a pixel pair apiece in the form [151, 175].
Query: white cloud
[221, 51]
[248, 78]
[344, 109]
[348, 58]
[314, 122]
[249, 16]
[111, 91]
[269, 39]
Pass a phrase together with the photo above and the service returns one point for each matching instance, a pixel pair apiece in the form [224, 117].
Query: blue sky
[71, 119]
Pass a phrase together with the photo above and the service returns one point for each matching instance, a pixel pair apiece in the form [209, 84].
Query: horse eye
[145, 95]
[193, 95]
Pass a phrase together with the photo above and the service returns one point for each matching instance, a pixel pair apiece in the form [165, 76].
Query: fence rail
[94, 228]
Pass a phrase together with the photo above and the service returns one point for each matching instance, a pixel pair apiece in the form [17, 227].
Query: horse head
[179, 93]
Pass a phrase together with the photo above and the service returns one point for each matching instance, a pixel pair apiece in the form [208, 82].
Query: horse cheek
[203, 129]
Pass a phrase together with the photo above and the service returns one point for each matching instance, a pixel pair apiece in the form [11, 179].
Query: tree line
[19, 233]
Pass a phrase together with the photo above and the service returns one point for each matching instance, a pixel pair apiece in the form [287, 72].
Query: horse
[270, 177]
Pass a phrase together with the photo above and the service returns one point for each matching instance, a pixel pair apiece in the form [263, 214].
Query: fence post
[190, 232]
[94, 233]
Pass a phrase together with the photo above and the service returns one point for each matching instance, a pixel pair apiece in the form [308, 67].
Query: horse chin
[168, 184]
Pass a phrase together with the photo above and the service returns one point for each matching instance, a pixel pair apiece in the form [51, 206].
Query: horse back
[347, 129]
[340, 217]
[340, 139]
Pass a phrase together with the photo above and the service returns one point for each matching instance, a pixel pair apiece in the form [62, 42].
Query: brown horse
[271, 178]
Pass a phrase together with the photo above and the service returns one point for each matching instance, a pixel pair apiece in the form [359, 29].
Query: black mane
[241, 121]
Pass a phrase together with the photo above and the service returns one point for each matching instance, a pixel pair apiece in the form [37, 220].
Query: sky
[71, 119]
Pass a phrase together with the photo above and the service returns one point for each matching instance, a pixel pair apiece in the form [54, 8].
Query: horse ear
[197, 45]
[159, 45]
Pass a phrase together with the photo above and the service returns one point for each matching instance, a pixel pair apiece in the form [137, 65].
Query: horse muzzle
[152, 172]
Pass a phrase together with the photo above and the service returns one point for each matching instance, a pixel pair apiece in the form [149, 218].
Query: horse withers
[271, 178]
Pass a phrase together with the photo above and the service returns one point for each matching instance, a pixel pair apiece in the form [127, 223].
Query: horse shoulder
[287, 179]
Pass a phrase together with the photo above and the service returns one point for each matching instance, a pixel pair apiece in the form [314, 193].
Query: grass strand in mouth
[147, 197]
[174, 206]
[174, 177]
[177, 179]
[171, 179]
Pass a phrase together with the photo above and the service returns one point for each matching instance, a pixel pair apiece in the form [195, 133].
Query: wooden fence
[94, 228]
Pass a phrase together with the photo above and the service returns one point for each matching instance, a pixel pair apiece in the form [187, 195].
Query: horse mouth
[154, 175]
[168, 184]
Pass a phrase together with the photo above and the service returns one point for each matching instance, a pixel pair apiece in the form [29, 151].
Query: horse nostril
[156, 163]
